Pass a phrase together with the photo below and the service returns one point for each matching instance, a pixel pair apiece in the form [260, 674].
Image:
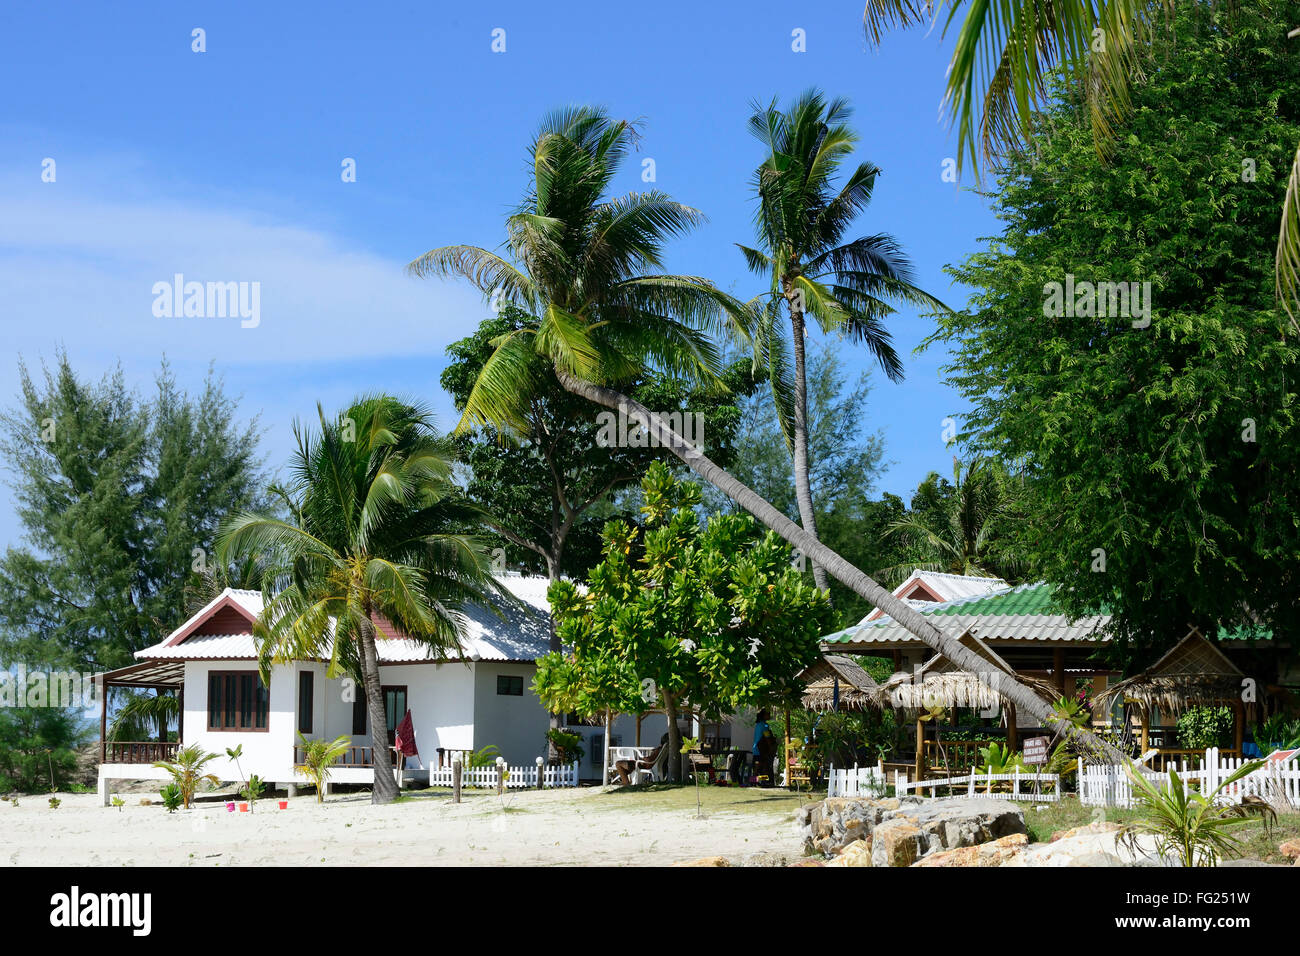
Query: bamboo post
[920, 747]
[455, 778]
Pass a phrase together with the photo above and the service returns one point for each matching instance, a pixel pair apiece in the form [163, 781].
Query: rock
[1096, 844]
[706, 861]
[897, 843]
[943, 824]
[1291, 848]
[1099, 826]
[994, 853]
[857, 853]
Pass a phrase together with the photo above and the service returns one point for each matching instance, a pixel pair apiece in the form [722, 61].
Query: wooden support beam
[1058, 669]
[1013, 732]
[920, 748]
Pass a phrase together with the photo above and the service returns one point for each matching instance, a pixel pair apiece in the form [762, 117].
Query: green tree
[372, 501]
[119, 499]
[586, 266]
[1158, 447]
[1001, 75]
[35, 743]
[713, 615]
[847, 286]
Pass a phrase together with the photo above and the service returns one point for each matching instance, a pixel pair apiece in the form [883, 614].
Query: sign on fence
[1036, 750]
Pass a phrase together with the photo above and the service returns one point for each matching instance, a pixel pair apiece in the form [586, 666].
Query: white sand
[556, 827]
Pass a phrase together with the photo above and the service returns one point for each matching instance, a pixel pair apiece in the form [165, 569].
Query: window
[508, 686]
[237, 700]
[359, 713]
[306, 684]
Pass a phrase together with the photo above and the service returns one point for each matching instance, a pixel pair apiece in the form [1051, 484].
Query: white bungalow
[484, 697]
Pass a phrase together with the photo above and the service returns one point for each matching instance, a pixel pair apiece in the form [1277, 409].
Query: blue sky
[225, 165]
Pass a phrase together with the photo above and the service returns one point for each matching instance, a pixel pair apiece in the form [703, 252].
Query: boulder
[1291, 848]
[857, 853]
[994, 853]
[1096, 844]
[706, 861]
[897, 843]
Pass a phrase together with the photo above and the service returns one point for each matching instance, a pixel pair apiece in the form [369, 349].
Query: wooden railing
[956, 756]
[352, 757]
[116, 751]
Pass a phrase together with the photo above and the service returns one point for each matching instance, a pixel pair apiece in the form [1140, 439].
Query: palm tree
[846, 286]
[318, 756]
[998, 78]
[372, 500]
[141, 714]
[187, 773]
[956, 533]
[583, 264]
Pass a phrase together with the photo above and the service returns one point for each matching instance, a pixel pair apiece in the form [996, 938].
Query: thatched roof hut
[833, 677]
[940, 683]
[1193, 674]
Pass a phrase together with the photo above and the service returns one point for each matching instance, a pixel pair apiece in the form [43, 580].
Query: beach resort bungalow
[481, 697]
[1022, 630]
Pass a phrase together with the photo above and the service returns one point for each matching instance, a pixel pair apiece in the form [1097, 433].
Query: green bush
[1203, 727]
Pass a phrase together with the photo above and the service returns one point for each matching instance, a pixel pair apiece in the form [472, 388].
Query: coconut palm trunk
[840, 569]
[385, 789]
[802, 481]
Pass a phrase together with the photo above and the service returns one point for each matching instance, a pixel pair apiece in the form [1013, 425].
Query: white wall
[515, 725]
[269, 753]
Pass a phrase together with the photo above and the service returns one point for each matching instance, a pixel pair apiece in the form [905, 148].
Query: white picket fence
[1025, 787]
[1107, 785]
[858, 782]
[517, 778]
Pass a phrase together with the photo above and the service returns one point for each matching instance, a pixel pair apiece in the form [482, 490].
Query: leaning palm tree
[585, 266]
[846, 286]
[999, 74]
[373, 506]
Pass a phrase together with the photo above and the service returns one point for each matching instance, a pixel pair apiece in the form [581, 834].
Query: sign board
[1036, 750]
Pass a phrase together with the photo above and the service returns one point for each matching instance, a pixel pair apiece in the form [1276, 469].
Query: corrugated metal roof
[519, 634]
[1022, 613]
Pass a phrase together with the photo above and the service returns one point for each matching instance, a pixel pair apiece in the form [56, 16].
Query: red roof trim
[226, 601]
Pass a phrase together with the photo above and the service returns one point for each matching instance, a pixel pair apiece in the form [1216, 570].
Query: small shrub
[54, 803]
[172, 798]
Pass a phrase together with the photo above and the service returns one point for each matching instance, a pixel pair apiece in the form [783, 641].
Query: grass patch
[681, 796]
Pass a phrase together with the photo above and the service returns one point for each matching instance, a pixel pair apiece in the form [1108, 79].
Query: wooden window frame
[235, 678]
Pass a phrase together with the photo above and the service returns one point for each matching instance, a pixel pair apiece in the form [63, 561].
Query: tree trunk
[553, 575]
[385, 789]
[840, 569]
[674, 762]
[802, 481]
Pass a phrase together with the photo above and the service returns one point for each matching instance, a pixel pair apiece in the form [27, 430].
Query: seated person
[624, 767]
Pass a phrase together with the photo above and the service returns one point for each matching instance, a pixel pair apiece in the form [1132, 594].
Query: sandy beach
[586, 826]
